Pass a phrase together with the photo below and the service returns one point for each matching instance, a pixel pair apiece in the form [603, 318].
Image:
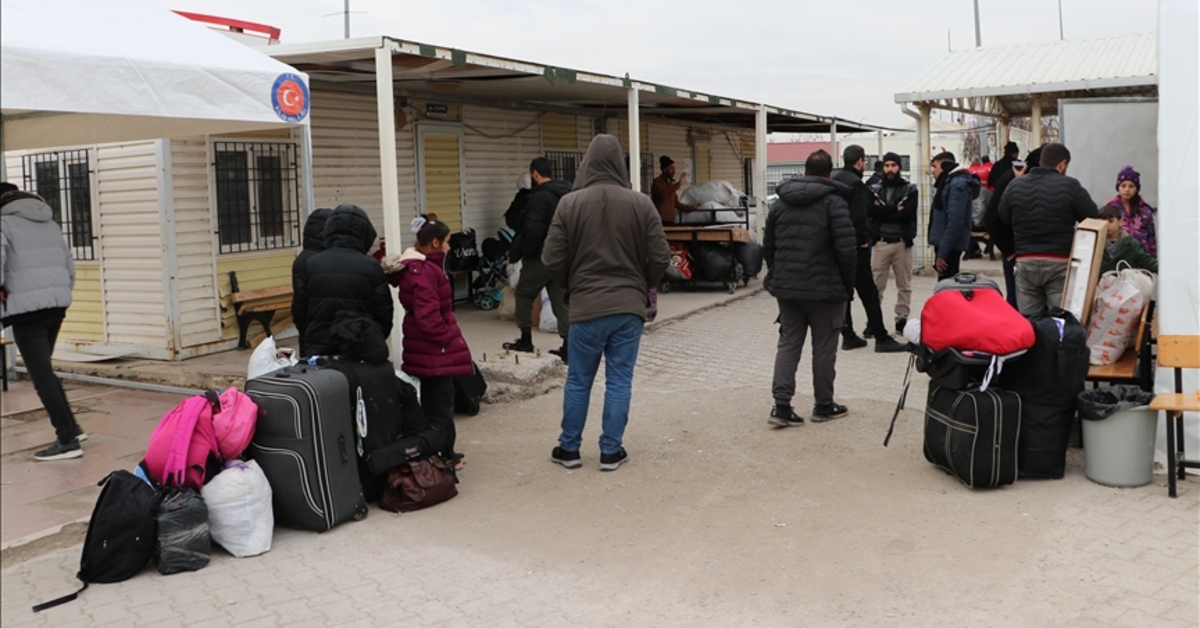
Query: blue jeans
[617, 338]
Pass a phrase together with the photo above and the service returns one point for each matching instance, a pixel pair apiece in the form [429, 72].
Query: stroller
[487, 291]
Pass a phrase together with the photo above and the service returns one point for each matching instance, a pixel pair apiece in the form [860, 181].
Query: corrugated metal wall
[130, 242]
[672, 141]
[727, 154]
[443, 176]
[85, 317]
[560, 132]
[499, 144]
[195, 267]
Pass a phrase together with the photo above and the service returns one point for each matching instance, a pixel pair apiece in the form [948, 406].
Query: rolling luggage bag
[305, 444]
[973, 435]
[373, 386]
[1048, 378]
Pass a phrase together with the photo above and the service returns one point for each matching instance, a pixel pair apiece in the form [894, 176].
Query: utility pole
[346, 13]
[1060, 23]
[978, 40]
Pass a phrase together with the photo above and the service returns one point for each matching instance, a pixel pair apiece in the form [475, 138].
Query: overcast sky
[845, 58]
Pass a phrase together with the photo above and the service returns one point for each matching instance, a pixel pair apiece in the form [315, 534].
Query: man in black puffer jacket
[341, 279]
[527, 248]
[810, 253]
[314, 242]
[1043, 208]
[860, 200]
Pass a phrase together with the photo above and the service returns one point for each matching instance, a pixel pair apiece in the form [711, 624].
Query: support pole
[635, 140]
[1036, 123]
[1003, 134]
[923, 173]
[878, 147]
[833, 143]
[388, 177]
[760, 167]
[306, 163]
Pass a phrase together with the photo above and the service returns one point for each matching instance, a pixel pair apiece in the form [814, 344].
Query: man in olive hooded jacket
[607, 247]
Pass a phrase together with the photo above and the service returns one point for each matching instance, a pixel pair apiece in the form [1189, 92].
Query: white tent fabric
[1178, 189]
[76, 72]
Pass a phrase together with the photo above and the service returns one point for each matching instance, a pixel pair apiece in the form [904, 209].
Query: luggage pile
[1002, 386]
[306, 446]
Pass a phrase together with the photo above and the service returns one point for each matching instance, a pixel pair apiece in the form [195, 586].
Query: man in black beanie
[664, 189]
[893, 229]
[860, 199]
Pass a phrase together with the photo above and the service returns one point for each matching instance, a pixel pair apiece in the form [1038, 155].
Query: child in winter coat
[1121, 246]
[434, 348]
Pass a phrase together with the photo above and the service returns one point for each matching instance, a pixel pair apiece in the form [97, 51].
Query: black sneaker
[519, 345]
[820, 414]
[780, 418]
[886, 344]
[852, 341]
[900, 324]
[568, 459]
[561, 352]
[610, 462]
[59, 451]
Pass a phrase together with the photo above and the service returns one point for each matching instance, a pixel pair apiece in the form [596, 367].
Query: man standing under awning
[665, 189]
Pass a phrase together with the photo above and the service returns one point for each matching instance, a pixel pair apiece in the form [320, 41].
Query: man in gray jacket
[37, 275]
[810, 249]
[607, 247]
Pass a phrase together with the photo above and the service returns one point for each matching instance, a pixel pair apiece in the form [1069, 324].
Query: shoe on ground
[781, 418]
[867, 333]
[59, 451]
[852, 341]
[900, 324]
[81, 436]
[561, 352]
[820, 414]
[519, 345]
[610, 462]
[887, 344]
[568, 459]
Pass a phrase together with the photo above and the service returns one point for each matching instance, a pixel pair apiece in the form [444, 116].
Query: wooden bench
[258, 305]
[1133, 367]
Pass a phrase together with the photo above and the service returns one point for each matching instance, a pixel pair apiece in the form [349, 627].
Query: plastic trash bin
[1118, 435]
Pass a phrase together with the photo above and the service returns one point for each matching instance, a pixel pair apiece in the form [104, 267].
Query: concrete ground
[717, 520]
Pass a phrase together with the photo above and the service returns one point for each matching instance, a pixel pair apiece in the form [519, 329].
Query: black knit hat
[664, 161]
[893, 157]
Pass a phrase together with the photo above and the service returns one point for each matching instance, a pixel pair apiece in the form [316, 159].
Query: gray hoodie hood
[28, 207]
[603, 163]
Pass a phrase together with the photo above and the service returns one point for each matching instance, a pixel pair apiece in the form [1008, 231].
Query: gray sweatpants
[825, 318]
[1039, 284]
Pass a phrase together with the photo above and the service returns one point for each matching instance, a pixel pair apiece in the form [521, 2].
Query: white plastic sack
[269, 357]
[240, 518]
[1116, 312]
[719, 193]
[508, 304]
[547, 322]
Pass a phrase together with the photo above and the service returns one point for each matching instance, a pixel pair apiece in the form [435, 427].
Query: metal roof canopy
[1006, 81]
[451, 75]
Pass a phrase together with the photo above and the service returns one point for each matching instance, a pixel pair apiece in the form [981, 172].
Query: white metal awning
[1004, 80]
[87, 72]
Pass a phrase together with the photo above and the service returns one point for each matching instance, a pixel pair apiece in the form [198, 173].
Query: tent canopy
[86, 72]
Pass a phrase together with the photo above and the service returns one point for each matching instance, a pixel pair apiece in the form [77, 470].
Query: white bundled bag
[711, 195]
[240, 518]
[548, 323]
[1120, 298]
[268, 357]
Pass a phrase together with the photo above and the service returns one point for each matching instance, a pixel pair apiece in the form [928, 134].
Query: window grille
[64, 180]
[258, 196]
[564, 164]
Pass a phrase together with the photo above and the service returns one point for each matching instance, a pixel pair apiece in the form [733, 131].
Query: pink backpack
[183, 449]
[234, 423]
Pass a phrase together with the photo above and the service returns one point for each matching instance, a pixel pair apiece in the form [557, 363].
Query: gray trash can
[1118, 435]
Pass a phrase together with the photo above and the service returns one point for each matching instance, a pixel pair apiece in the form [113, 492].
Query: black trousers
[35, 340]
[868, 294]
[437, 400]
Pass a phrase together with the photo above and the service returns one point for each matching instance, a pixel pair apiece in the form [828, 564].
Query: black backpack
[121, 534]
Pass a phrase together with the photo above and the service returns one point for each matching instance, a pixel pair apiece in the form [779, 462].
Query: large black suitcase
[973, 435]
[304, 442]
[377, 387]
[1048, 378]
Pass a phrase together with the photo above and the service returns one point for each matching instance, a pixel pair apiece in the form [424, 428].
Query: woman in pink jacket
[434, 348]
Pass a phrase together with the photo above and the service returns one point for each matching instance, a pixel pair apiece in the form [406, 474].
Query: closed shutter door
[442, 170]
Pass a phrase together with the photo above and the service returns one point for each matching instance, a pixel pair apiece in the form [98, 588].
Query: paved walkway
[717, 520]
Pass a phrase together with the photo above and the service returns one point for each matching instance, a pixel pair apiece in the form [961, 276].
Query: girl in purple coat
[1137, 218]
[434, 348]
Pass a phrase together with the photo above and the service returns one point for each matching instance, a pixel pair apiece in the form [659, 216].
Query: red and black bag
[419, 484]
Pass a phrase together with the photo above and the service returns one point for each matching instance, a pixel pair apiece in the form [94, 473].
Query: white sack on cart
[722, 193]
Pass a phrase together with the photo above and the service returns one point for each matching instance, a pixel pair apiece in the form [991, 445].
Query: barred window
[258, 196]
[564, 164]
[64, 179]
